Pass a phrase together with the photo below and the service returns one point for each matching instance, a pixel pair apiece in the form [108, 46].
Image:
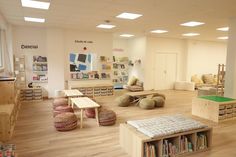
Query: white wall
[120, 47]
[164, 45]
[56, 44]
[137, 50]
[204, 57]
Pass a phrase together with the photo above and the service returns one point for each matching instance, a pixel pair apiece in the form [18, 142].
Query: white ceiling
[157, 14]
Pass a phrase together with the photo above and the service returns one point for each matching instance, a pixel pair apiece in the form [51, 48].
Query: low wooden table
[83, 103]
[71, 93]
[143, 93]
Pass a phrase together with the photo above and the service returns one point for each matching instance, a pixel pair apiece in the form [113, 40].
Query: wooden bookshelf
[134, 142]
[213, 110]
[31, 94]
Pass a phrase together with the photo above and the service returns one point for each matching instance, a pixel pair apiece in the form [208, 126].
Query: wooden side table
[83, 103]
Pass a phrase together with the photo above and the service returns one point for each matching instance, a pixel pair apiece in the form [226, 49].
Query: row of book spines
[185, 145]
[169, 149]
[151, 150]
[201, 141]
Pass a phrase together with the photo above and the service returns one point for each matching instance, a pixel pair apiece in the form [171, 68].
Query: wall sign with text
[29, 46]
[84, 41]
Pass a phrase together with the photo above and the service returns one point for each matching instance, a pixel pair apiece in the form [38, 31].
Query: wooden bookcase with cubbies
[137, 144]
[95, 90]
[214, 108]
[31, 94]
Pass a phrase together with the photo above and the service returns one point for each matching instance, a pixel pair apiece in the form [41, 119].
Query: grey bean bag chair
[159, 101]
[123, 101]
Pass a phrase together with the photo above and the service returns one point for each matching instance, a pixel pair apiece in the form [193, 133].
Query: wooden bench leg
[81, 118]
[96, 114]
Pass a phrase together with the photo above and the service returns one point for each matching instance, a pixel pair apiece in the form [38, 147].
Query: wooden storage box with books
[136, 144]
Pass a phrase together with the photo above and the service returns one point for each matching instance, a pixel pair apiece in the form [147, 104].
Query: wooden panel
[7, 97]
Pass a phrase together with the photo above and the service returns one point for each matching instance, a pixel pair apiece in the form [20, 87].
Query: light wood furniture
[214, 110]
[94, 90]
[133, 141]
[31, 94]
[83, 103]
[142, 93]
[7, 94]
[72, 93]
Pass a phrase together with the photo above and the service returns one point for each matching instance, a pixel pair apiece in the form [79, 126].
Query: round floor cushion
[159, 101]
[123, 101]
[62, 109]
[147, 103]
[90, 112]
[65, 121]
[107, 117]
[60, 102]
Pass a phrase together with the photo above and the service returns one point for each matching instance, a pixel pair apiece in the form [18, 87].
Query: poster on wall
[81, 62]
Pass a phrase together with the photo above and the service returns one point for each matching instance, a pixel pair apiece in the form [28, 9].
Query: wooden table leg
[81, 118]
[96, 114]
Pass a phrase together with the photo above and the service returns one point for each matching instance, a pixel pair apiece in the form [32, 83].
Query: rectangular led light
[223, 38]
[190, 34]
[32, 19]
[159, 31]
[225, 29]
[106, 26]
[130, 16]
[126, 35]
[192, 24]
[35, 4]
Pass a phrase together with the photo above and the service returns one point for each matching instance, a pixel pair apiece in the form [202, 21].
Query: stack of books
[185, 145]
[169, 149]
[150, 150]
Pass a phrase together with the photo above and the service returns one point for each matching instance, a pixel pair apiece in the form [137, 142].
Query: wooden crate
[213, 110]
[133, 141]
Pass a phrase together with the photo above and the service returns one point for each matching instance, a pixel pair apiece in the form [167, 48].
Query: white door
[165, 70]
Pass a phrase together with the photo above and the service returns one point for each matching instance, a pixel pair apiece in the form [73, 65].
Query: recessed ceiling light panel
[130, 16]
[159, 31]
[192, 24]
[223, 38]
[225, 29]
[190, 34]
[106, 26]
[35, 4]
[126, 35]
[32, 19]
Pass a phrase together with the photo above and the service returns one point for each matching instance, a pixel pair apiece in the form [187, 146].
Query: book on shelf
[201, 141]
[185, 145]
[150, 150]
[169, 149]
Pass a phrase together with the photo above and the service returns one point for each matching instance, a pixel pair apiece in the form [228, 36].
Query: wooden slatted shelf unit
[31, 94]
[9, 108]
[135, 143]
[94, 90]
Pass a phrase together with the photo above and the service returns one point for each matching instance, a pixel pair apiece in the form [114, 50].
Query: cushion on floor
[147, 103]
[159, 101]
[62, 109]
[65, 121]
[90, 112]
[60, 102]
[107, 117]
[123, 101]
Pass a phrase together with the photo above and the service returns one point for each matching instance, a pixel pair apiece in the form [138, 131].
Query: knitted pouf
[62, 109]
[147, 103]
[65, 121]
[123, 101]
[90, 112]
[107, 117]
[60, 102]
[159, 101]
